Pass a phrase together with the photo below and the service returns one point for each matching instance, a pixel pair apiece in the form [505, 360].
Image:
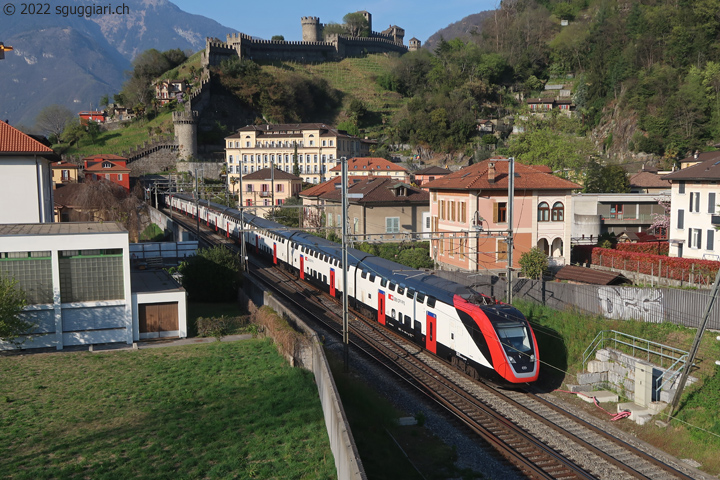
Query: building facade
[469, 212]
[25, 177]
[64, 172]
[267, 187]
[373, 166]
[318, 148]
[112, 168]
[695, 195]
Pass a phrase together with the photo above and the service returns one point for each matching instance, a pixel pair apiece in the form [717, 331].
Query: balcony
[265, 194]
[627, 218]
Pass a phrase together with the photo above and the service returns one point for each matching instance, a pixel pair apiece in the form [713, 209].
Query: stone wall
[161, 160]
[614, 369]
[210, 170]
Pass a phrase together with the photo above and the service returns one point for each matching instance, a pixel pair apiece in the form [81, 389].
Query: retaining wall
[311, 356]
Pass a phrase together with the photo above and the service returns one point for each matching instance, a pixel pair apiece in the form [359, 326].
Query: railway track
[540, 439]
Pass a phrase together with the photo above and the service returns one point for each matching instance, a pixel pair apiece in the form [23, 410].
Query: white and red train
[475, 333]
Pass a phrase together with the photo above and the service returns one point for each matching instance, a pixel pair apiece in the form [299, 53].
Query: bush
[534, 263]
[218, 327]
[653, 248]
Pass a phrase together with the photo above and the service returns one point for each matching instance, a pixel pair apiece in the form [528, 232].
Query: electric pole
[344, 265]
[511, 202]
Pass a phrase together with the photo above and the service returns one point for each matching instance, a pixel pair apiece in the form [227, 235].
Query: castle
[313, 47]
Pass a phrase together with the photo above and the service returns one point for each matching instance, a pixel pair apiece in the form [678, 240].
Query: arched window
[558, 212]
[543, 212]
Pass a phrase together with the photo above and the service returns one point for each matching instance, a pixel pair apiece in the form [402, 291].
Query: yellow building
[64, 172]
[318, 148]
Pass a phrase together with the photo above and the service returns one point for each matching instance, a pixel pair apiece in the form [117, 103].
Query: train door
[430, 332]
[332, 282]
[302, 267]
[274, 253]
[227, 229]
[257, 244]
[381, 307]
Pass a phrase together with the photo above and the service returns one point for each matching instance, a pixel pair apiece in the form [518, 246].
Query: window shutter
[690, 245]
[710, 240]
[495, 212]
[697, 201]
[681, 187]
[711, 202]
[681, 219]
[699, 236]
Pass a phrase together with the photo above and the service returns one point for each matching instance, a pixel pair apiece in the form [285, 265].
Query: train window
[392, 287]
[363, 274]
[392, 313]
[372, 278]
[383, 282]
[324, 278]
[421, 297]
[431, 301]
[408, 322]
[410, 293]
[401, 290]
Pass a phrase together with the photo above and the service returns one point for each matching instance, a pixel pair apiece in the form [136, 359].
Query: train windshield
[514, 337]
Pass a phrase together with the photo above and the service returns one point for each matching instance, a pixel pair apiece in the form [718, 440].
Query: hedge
[656, 265]
[653, 248]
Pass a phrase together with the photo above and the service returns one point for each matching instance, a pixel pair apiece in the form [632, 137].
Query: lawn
[219, 410]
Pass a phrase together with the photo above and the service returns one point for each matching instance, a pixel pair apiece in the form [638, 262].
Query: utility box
[643, 384]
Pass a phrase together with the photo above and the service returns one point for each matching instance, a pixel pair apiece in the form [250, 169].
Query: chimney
[491, 172]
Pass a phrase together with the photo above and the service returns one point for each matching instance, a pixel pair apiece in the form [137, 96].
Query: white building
[76, 277]
[694, 196]
[25, 177]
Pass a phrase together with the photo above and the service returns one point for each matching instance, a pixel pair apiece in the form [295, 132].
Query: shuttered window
[681, 219]
[711, 202]
[710, 240]
[502, 250]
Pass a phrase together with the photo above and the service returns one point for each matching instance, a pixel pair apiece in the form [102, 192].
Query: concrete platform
[602, 396]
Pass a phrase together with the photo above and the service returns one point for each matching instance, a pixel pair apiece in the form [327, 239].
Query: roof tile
[13, 140]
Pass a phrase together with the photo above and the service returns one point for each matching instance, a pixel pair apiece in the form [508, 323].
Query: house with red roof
[379, 208]
[92, 116]
[64, 172]
[267, 187]
[25, 177]
[469, 215]
[373, 166]
[112, 168]
[429, 174]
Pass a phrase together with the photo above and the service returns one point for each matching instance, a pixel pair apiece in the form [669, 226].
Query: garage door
[158, 319]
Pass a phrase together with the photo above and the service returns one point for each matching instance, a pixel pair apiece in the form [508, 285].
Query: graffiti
[624, 303]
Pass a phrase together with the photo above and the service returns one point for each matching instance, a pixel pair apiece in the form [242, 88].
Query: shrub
[218, 327]
[668, 267]
[534, 263]
[653, 248]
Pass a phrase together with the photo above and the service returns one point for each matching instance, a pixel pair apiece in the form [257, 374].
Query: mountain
[465, 28]
[73, 61]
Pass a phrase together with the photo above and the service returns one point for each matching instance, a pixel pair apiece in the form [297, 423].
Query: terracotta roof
[317, 190]
[97, 167]
[709, 169]
[701, 157]
[367, 164]
[67, 195]
[434, 170]
[380, 190]
[540, 100]
[588, 275]
[639, 236]
[63, 164]
[265, 174]
[475, 177]
[104, 156]
[649, 180]
[13, 140]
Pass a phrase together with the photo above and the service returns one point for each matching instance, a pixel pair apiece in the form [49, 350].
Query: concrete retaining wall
[311, 356]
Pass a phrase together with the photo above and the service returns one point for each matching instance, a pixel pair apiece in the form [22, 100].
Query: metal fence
[655, 305]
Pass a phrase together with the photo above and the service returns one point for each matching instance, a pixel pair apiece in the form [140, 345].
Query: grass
[562, 338]
[373, 421]
[220, 410]
[152, 233]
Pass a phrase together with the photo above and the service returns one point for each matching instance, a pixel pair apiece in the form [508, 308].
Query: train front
[509, 340]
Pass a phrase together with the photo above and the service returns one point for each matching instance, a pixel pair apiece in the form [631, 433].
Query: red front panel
[332, 282]
[227, 229]
[275, 253]
[431, 332]
[381, 307]
[302, 267]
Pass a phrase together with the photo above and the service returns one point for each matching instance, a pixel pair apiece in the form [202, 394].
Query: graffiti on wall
[625, 303]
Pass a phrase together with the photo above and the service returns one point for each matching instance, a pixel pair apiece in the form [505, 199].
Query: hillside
[464, 29]
[73, 61]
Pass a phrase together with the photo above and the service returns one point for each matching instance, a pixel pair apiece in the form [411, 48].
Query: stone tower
[311, 29]
[186, 133]
[415, 44]
[368, 17]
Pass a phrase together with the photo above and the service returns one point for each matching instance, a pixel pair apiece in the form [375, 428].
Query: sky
[263, 19]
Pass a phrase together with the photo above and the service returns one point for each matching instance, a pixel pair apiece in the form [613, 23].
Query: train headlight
[532, 357]
[512, 360]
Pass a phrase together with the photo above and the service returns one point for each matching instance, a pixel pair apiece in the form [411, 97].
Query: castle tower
[311, 29]
[186, 133]
[415, 44]
[368, 17]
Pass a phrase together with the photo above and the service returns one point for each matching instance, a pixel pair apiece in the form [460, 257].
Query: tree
[334, 29]
[534, 263]
[212, 275]
[357, 111]
[356, 24]
[605, 179]
[52, 119]
[287, 214]
[278, 38]
[12, 302]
